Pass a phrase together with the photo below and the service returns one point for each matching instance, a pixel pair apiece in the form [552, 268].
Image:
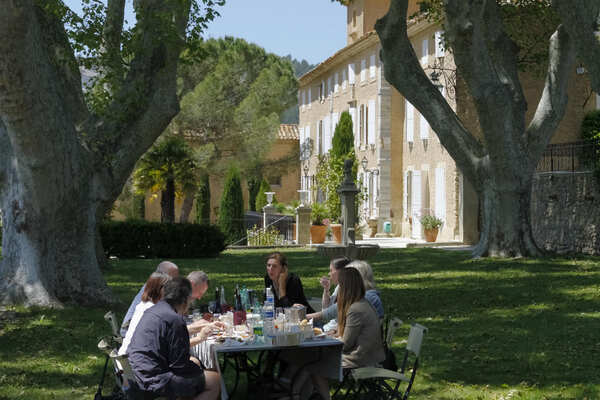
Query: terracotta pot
[373, 227]
[336, 230]
[431, 235]
[317, 233]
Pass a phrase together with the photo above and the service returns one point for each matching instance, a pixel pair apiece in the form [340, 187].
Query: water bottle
[269, 311]
[269, 308]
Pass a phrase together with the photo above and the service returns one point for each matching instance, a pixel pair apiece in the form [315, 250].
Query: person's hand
[218, 325]
[205, 333]
[281, 281]
[325, 282]
[197, 325]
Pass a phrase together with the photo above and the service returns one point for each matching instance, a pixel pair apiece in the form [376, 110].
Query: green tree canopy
[232, 101]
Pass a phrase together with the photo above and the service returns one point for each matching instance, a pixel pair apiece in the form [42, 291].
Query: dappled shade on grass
[496, 327]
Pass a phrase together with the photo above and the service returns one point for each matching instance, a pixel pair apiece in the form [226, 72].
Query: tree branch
[553, 103]
[113, 29]
[148, 100]
[403, 71]
[487, 60]
[580, 19]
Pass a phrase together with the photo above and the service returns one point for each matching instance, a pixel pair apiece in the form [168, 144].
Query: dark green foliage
[343, 138]
[330, 170]
[590, 132]
[231, 211]
[253, 189]
[203, 200]
[169, 166]
[261, 198]
[154, 239]
[139, 205]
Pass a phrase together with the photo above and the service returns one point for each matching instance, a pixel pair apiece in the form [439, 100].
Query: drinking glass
[211, 306]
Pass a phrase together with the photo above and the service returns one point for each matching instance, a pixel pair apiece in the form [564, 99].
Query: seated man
[159, 352]
[199, 281]
[166, 267]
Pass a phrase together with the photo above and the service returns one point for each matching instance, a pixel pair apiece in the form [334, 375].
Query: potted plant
[336, 231]
[318, 229]
[431, 225]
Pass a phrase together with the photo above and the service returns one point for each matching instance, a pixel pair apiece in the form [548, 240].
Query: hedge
[158, 240]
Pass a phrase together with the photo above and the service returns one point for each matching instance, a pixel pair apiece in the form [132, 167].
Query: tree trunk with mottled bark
[61, 166]
[501, 166]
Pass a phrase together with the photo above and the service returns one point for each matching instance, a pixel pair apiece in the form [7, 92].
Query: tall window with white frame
[320, 138]
[366, 126]
[322, 91]
[361, 124]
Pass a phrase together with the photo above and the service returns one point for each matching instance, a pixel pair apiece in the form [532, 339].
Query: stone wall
[565, 212]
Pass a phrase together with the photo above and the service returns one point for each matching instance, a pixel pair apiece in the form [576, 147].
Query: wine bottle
[224, 306]
[218, 309]
[239, 314]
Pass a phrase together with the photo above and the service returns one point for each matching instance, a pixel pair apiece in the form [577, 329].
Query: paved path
[401, 243]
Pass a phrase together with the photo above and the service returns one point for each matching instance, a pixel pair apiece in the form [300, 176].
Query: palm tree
[168, 166]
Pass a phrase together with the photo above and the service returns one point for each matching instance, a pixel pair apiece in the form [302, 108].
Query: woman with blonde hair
[371, 292]
[358, 328]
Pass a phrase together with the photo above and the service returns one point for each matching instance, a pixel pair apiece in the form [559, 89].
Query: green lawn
[498, 329]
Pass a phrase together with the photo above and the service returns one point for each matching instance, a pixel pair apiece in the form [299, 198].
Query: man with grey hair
[199, 281]
[165, 267]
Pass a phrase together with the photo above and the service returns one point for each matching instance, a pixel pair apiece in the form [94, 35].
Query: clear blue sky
[307, 29]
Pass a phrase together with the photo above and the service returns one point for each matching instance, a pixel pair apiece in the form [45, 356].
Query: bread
[317, 331]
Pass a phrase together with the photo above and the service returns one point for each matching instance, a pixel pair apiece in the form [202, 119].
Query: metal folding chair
[380, 383]
[108, 345]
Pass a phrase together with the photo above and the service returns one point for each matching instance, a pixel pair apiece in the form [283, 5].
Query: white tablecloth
[319, 356]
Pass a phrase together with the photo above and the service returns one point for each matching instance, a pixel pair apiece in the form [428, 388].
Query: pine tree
[330, 171]
[231, 211]
[343, 138]
[203, 201]
[253, 188]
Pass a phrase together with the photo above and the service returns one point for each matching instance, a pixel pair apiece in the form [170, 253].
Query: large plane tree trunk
[49, 243]
[501, 164]
[61, 166]
[506, 224]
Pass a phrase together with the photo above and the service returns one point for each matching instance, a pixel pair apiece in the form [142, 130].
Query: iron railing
[568, 157]
[283, 223]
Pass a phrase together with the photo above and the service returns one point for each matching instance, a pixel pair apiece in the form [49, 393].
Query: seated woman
[152, 294]
[358, 327]
[287, 287]
[371, 292]
[329, 306]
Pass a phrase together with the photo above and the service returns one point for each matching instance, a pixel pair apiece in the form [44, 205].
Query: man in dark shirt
[159, 352]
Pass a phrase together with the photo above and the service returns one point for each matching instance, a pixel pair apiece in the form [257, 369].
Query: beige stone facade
[408, 172]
